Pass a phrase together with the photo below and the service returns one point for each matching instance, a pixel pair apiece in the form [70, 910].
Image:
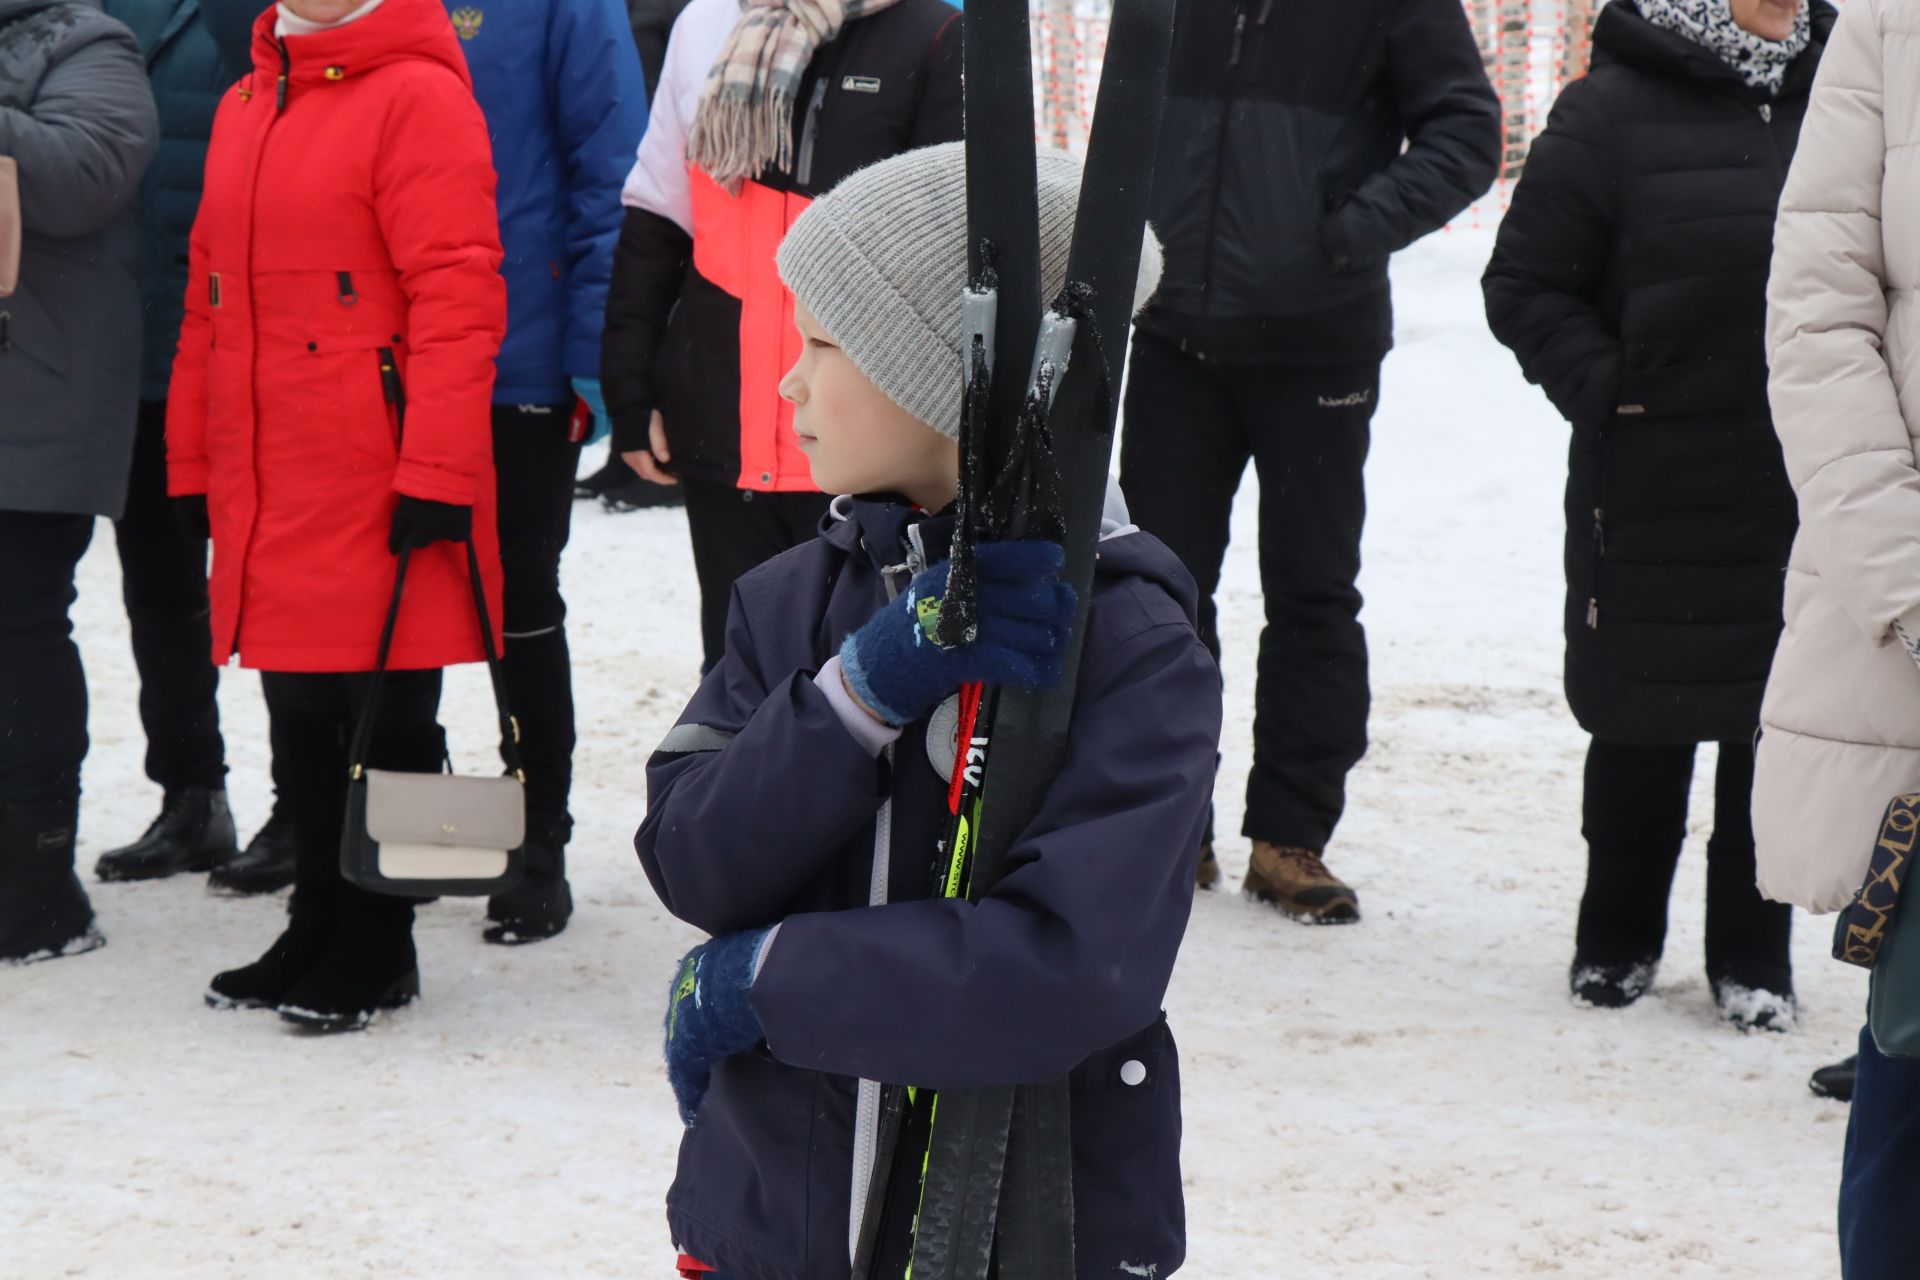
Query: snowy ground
[1410, 1098]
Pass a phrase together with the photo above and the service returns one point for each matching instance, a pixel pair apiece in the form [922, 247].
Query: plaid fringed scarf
[745, 121]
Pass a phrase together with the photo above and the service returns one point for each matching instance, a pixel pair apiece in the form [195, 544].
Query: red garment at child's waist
[692, 1269]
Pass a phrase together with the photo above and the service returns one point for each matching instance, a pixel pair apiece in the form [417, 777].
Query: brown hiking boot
[1299, 884]
[1209, 873]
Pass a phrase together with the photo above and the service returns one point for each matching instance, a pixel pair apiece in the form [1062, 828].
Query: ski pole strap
[369, 710]
[1867, 921]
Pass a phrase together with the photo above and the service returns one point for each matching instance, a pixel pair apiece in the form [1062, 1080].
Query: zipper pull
[1599, 531]
[280, 85]
[1766, 112]
[1239, 36]
[1593, 613]
[345, 280]
[6, 331]
[213, 288]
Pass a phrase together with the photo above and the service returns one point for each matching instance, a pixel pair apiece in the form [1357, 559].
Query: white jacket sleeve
[1835, 407]
[658, 182]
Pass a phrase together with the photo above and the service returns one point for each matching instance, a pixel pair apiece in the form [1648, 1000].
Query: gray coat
[77, 114]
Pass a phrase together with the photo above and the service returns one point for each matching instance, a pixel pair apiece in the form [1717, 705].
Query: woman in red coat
[344, 277]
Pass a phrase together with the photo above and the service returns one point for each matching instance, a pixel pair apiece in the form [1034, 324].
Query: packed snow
[1412, 1097]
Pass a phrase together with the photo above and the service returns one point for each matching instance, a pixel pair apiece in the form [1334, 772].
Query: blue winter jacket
[763, 809]
[560, 84]
[195, 50]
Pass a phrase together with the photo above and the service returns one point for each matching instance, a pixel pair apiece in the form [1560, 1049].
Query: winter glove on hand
[1025, 614]
[419, 523]
[191, 511]
[588, 389]
[709, 1015]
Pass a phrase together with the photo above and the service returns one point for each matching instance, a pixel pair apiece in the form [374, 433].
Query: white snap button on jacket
[1133, 1072]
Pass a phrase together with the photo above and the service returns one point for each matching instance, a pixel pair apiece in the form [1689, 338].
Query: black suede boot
[369, 966]
[536, 908]
[193, 833]
[312, 913]
[267, 864]
[44, 913]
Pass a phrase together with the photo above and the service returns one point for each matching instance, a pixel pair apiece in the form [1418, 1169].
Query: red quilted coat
[343, 312]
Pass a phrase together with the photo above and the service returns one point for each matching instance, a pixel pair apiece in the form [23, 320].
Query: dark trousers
[1191, 426]
[1635, 822]
[1880, 1174]
[735, 530]
[163, 579]
[43, 690]
[536, 463]
[313, 718]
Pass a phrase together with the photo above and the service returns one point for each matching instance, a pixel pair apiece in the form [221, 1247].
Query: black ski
[1008, 1202]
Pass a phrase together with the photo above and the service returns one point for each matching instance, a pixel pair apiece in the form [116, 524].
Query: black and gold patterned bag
[1868, 934]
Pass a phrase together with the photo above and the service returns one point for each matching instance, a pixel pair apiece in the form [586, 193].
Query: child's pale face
[856, 438]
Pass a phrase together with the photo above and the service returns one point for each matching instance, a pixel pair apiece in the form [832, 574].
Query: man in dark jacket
[194, 50]
[699, 328]
[566, 103]
[1303, 144]
[77, 118]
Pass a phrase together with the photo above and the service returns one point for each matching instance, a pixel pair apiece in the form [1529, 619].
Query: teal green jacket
[195, 50]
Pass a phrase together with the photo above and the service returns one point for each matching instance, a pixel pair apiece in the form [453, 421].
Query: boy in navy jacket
[796, 808]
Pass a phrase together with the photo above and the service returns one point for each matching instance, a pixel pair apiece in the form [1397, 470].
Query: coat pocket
[1130, 1210]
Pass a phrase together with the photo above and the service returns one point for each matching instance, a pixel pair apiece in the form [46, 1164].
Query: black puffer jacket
[1303, 144]
[1629, 279]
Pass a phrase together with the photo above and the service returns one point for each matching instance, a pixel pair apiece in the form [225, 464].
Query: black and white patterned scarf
[1709, 24]
[745, 121]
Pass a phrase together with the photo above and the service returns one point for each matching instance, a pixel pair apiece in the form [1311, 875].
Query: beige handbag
[9, 226]
[434, 834]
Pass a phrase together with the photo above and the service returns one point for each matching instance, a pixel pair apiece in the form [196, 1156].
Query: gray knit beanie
[881, 261]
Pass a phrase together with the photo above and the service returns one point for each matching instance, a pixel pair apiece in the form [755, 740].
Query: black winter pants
[314, 716]
[735, 530]
[1191, 425]
[163, 579]
[43, 690]
[1635, 823]
[536, 464]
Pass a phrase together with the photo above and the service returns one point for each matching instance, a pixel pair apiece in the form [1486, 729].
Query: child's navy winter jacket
[764, 808]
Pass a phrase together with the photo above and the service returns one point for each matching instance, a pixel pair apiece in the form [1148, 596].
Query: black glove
[191, 511]
[419, 523]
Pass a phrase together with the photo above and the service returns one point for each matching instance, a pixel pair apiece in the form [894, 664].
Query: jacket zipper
[393, 392]
[810, 133]
[1599, 538]
[1220, 145]
[253, 312]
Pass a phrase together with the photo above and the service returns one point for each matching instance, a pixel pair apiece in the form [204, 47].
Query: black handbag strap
[509, 726]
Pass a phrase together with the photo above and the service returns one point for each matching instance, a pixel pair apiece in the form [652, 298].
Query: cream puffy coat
[1841, 720]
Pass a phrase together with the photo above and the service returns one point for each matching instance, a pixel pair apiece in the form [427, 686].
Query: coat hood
[1623, 34]
[396, 31]
[893, 533]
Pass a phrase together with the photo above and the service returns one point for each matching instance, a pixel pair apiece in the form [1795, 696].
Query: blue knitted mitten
[1025, 617]
[709, 1014]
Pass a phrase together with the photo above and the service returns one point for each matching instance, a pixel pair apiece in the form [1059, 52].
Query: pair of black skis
[996, 1184]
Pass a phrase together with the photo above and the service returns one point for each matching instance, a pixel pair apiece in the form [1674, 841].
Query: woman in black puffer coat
[1629, 279]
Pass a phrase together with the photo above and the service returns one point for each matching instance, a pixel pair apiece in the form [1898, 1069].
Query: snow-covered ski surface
[1414, 1097]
